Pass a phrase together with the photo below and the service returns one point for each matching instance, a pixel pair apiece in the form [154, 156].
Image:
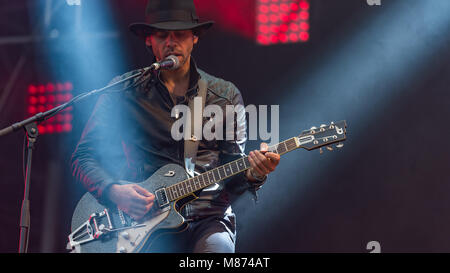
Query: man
[137, 124]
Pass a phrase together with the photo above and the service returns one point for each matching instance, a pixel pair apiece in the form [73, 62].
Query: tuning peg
[329, 148]
[313, 128]
[340, 145]
[320, 150]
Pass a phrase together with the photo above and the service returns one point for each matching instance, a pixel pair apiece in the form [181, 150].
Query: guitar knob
[122, 249]
[125, 235]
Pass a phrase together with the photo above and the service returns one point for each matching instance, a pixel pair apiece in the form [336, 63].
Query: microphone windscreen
[176, 61]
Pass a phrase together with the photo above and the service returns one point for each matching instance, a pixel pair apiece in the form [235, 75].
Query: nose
[170, 39]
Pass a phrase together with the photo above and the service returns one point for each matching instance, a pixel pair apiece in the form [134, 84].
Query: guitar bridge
[90, 230]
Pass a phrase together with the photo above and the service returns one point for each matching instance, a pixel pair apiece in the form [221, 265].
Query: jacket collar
[193, 80]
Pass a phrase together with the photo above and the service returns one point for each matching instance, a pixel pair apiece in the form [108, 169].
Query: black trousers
[208, 235]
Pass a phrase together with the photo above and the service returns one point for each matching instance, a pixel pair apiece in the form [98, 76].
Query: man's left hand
[262, 162]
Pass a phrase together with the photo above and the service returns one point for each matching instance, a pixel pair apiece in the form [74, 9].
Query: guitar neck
[206, 179]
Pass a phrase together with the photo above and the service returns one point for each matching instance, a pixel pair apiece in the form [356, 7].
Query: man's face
[174, 42]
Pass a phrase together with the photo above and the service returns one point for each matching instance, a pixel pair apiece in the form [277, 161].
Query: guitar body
[128, 235]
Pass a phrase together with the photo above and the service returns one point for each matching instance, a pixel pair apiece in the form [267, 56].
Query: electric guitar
[100, 229]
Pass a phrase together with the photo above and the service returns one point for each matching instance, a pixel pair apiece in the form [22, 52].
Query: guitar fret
[234, 167]
[216, 175]
[182, 191]
[279, 149]
[174, 191]
[221, 172]
[200, 179]
[285, 146]
[227, 169]
[205, 178]
[211, 177]
[195, 185]
[196, 182]
[274, 150]
[241, 164]
[292, 145]
[246, 163]
[169, 193]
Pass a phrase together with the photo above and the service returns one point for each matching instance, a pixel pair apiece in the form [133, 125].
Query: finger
[142, 191]
[264, 147]
[274, 158]
[138, 210]
[264, 161]
[143, 201]
[255, 166]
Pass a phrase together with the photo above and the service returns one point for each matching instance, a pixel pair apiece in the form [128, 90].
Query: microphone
[170, 63]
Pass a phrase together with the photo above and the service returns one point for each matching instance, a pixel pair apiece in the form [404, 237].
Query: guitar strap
[196, 124]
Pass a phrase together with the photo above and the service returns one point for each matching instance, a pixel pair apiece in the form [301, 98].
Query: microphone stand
[32, 132]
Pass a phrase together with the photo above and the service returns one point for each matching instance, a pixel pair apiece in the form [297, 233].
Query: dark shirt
[128, 137]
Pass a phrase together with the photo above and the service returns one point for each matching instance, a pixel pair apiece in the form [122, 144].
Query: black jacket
[128, 137]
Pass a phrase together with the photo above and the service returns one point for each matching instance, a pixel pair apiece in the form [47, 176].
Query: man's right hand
[132, 199]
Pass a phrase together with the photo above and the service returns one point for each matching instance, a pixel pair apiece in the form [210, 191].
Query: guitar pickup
[161, 197]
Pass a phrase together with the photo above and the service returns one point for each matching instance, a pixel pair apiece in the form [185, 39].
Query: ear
[195, 39]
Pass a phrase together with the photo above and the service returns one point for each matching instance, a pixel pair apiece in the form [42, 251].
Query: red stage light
[32, 100]
[67, 127]
[50, 87]
[49, 128]
[42, 98]
[59, 128]
[32, 110]
[304, 36]
[304, 26]
[294, 7]
[282, 21]
[32, 89]
[304, 5]
[274, 8]
[41, 129]
[68, 86]
[304, 15]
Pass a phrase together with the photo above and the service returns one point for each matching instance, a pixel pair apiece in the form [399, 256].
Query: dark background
[390, 182]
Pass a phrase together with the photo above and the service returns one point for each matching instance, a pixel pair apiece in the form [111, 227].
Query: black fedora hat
[170, 15]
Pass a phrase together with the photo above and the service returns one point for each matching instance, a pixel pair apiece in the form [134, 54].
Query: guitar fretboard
[206, 179]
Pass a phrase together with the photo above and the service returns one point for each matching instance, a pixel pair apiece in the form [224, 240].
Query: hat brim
[143, 30]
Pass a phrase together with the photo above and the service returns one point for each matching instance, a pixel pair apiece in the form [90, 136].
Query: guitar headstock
[325, 135]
